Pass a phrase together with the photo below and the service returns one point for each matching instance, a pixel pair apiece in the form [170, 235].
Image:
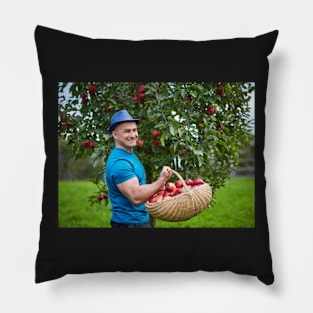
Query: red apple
[220, 90]
[188, 182]
[85, 100]
[102, 197]
[155, 133]
[63, 115]
[170, 187]
[179, 184]
[211, 110]
[92, 88]
[179, 190]
[152, 200]
[156, 142]
[141, 89]
[140, 143]
[162, 192]
[89, 144]
[197, 181]
[221, 127]
[155, 198]
[169, 194]
[142, 98]
[159, 198]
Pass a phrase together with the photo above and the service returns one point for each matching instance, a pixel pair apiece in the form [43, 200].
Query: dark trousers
[120, 225]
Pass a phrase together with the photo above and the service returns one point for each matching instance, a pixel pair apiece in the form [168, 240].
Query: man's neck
[127, 149]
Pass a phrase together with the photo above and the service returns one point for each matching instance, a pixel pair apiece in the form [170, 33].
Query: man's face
[126, 135]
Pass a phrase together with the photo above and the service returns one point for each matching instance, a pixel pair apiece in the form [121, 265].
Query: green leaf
[96, 162]
[224, 144]
[162, 139]
[175, 146]
[193, 93]
[200, 161]
[180, 132]
[198, 152]
[172, 130]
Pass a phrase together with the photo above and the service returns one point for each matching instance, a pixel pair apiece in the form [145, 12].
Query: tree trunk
[148, 170]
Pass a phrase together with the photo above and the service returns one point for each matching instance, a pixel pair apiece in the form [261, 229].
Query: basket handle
[182, 180]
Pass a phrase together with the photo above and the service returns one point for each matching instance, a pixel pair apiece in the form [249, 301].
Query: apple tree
[198, 128]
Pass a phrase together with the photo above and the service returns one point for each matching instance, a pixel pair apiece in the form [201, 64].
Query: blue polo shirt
[122, 166]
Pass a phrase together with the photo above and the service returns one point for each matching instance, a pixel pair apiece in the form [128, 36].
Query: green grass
[74, 208]
[234, 207]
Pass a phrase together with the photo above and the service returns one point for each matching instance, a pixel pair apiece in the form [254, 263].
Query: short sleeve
[122, 171]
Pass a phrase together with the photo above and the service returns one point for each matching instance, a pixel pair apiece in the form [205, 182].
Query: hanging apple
[140, 143]
[155, 133]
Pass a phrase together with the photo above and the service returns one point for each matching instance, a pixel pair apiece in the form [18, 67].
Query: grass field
[234, 207]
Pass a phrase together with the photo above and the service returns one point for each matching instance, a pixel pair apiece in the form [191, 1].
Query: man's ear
[114, 134]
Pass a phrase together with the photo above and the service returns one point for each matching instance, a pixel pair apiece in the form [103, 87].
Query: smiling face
[126, 135]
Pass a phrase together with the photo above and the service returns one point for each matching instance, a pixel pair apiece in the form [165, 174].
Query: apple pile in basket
[174, 189]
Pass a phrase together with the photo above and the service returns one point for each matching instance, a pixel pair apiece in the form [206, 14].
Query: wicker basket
[183, 206]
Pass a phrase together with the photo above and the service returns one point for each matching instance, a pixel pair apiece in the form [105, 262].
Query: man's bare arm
[139, 194]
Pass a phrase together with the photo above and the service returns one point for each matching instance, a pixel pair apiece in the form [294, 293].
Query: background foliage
[197, 128]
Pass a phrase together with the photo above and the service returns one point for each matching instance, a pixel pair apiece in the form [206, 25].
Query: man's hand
[166, 173]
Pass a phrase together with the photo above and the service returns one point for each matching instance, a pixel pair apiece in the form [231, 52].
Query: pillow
[65, 57]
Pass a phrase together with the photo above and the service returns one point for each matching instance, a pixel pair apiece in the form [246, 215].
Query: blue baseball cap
[120, 117]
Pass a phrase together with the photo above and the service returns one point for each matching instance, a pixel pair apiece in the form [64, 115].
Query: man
[125, 176]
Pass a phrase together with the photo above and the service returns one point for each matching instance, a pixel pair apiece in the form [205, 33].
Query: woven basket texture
[184, 206]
